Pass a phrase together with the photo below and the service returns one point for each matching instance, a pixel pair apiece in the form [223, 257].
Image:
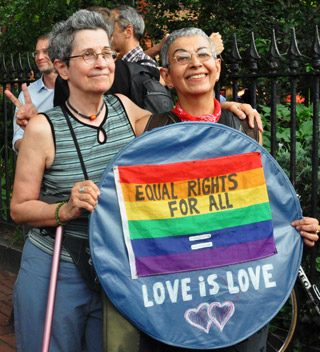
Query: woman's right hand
[84, 196]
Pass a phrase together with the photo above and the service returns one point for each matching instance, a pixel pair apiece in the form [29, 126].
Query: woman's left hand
[309, 230]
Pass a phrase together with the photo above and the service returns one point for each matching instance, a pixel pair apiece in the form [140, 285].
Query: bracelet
[56, 214]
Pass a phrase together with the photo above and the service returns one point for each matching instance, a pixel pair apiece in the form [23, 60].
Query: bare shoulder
[125, 100]
[38, 124]
[38, 139]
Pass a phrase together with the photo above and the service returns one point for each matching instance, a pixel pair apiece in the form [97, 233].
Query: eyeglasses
[38, 52]
[184, 57]
[90, 57]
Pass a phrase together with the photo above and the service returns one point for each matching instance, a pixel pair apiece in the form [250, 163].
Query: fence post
[293, 55]
[274, 56]
[253, 68]
[234, 67]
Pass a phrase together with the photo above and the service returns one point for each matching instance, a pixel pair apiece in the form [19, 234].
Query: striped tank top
[98, 145]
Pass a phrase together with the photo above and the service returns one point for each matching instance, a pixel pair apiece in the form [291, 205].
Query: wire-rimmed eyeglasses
[185, 57]
[38, 52]
[90, 57]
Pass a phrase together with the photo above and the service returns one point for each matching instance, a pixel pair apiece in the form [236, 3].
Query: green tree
[23, 21]
[240, 17]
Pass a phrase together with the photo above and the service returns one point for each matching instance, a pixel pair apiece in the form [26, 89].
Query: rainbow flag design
[194, 215]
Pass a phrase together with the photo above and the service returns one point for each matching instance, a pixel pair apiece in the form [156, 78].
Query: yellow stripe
[165, 191]
[197, 205]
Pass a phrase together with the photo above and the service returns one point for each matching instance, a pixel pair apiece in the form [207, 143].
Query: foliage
[303, 147]
[6, 180]
[6, 157]
[23, 21]
[308, 319]
[241, 18]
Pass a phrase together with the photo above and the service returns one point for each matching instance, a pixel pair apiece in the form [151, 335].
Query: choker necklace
[91, 117]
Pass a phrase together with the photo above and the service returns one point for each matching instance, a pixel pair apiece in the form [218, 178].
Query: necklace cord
[90, 117]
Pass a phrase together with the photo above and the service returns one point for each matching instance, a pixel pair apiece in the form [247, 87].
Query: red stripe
[189, 170]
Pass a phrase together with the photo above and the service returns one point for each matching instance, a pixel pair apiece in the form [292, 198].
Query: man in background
[127, 33]
[41, 91]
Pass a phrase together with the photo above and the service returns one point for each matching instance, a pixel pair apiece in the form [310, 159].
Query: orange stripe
[192, 188]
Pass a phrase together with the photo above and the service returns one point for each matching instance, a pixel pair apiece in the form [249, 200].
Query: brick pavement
[7, 336]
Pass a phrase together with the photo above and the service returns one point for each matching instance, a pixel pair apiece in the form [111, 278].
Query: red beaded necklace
[184, 116]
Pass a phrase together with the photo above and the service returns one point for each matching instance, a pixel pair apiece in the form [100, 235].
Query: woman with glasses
[191, 67]
[99, 126]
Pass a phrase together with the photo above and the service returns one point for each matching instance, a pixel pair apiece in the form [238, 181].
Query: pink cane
[52, 290]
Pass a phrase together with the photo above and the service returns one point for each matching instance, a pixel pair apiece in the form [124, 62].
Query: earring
[170, 85]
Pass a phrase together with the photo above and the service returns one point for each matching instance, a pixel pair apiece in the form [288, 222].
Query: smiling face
[42, 57]
[95, 78]
[195, 78]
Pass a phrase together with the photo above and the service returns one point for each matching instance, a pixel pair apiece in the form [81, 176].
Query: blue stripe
[220, 238]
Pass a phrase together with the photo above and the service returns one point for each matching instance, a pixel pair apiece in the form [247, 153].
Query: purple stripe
[205, 258]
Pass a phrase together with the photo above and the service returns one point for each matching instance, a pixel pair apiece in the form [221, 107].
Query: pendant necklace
[90, 117]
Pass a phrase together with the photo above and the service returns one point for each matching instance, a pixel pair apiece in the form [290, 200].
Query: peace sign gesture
[25, 112]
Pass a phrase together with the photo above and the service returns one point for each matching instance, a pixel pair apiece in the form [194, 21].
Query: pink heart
[221, 313]
[198, 317]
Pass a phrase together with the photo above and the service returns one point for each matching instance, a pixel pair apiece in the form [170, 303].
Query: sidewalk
[7, 336]
[10, 256]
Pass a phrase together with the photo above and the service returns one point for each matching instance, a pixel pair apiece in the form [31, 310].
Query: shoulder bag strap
[84, 170]
[162, 119]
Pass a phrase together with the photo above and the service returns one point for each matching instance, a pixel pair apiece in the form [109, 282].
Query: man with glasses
[41, 91]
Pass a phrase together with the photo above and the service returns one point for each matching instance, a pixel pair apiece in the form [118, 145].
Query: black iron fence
[14, 71]
[270, 94]
[265, 88]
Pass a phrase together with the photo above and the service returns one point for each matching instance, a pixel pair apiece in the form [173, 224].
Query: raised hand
[25, 112]
[217, 42]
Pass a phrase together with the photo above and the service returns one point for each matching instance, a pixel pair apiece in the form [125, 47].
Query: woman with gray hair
[191, 67]
[63, 154]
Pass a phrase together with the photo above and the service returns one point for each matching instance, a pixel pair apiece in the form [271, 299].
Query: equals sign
[201, 245]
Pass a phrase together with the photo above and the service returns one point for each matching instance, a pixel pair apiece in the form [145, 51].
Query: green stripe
[200, 223]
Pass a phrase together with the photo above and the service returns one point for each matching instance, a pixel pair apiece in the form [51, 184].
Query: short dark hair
[129, 15]
[107, 15]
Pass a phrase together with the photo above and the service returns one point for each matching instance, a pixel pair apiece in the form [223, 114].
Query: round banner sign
[191, 238]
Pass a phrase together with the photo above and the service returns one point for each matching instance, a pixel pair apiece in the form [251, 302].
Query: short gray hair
[179, 33]
[63, 33]
[128, 15]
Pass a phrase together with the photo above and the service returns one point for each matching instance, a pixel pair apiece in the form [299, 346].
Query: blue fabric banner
[197, 309]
